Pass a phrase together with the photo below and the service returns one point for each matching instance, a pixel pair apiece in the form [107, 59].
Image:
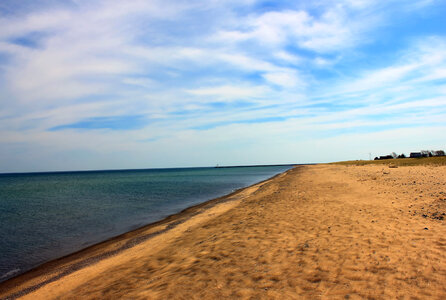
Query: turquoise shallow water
[44, 216]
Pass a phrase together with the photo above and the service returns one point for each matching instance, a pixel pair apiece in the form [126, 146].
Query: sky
[150, 84]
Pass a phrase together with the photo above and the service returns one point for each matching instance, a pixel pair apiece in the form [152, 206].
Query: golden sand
[315, 232]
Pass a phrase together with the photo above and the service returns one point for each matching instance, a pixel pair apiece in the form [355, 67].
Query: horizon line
[143, 169]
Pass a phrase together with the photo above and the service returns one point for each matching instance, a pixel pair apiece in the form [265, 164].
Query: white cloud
[284, 78]
[412, 75]
[330, 32]
[230, 92]
[141, 82]
[286, 56]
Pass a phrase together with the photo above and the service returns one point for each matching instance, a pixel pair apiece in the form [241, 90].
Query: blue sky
[140, 84]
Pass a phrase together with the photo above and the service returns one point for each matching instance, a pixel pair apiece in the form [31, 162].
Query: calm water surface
[44, 216]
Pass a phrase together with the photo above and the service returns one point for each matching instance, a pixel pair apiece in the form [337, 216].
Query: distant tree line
[422, 153]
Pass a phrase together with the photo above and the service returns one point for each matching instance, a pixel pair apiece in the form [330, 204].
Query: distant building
[425, 153]
[386, 157]
[415, 155]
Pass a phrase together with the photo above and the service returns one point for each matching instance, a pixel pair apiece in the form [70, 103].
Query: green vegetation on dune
[439, 161]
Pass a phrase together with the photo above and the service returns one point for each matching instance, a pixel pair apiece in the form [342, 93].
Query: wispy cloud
[112, 123]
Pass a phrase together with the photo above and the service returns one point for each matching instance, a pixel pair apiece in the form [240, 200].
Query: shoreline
[318, 231]
[60, 267]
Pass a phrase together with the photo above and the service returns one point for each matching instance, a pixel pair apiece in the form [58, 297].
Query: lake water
[44, 216]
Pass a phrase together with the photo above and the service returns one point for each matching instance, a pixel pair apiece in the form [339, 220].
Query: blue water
[44, 216]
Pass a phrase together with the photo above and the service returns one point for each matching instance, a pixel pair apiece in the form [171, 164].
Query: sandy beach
[314, 232]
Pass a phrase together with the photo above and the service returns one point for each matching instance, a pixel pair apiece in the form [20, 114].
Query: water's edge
[69, 264]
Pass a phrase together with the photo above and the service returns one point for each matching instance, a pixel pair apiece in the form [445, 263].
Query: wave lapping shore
[324, 231]
[45, 216]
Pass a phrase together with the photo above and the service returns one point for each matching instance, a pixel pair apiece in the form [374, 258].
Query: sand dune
[326, 231]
